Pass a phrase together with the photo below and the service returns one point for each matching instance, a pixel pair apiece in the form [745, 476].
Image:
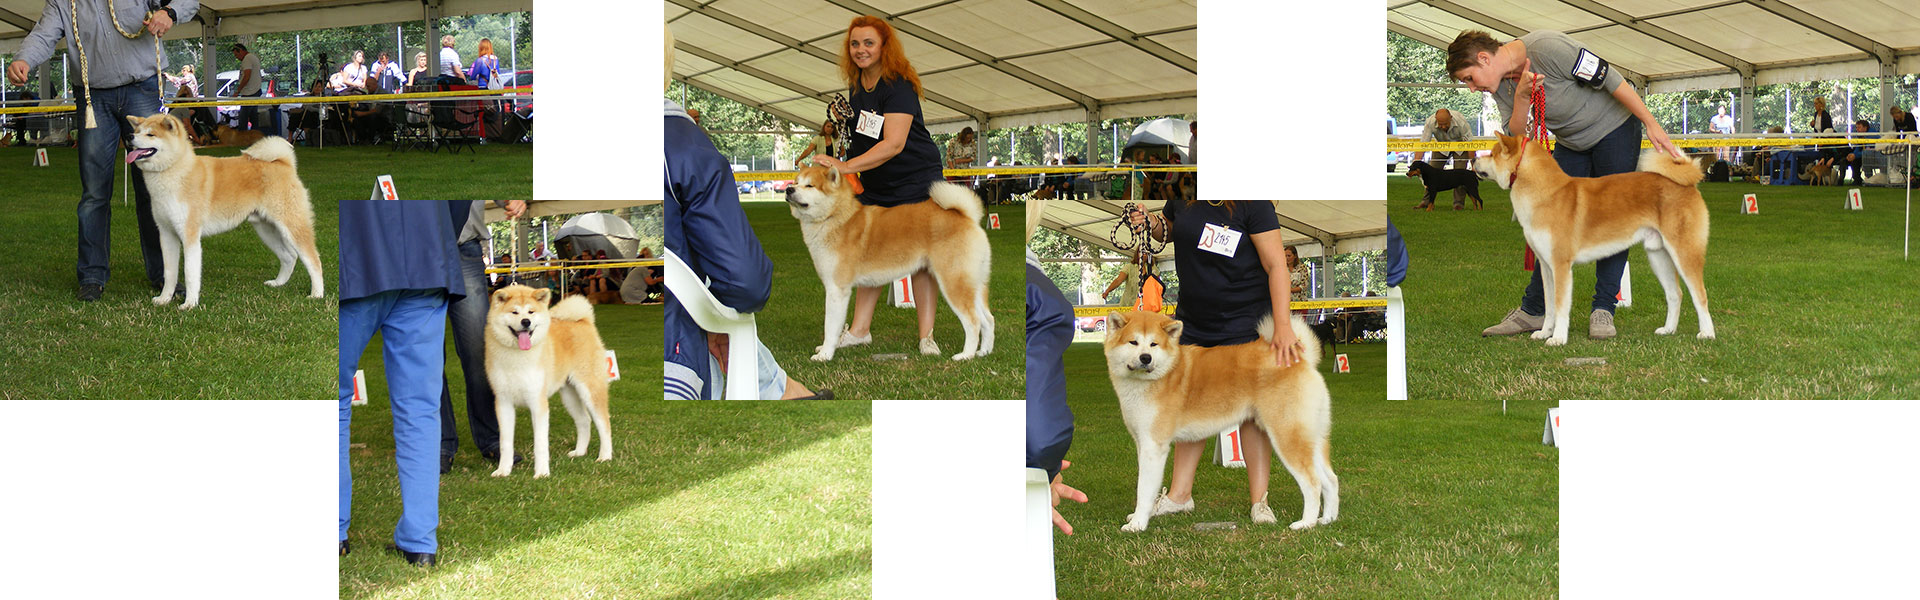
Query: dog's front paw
[823, 355]
[577, 453]
[162, 300]
[964, 356]
[1326, 520]
[1134, 526]
[541, 474]
[1558, 340]
[276, 282]
[1302, 524]
[1704, 335]
[189, 304]
[604, 458]
[1542, 334]
[1664, 331]
[501, 472]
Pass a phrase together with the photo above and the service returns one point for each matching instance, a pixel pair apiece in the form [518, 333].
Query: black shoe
[344, 549]
[493, 456]
[446, 463]
[90, 292]
[418, 559]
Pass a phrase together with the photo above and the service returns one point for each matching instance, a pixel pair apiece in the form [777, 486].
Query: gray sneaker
[1517, 321]
[1600, 325]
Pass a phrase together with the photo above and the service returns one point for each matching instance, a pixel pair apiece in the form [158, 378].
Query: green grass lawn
[790, 324]
[492, 171]
[244, 341]
[1808, 301]
[1439, 499]
[701, 500]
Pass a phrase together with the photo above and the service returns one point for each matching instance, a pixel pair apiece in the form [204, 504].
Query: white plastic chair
[743, 341]
[1039, 534]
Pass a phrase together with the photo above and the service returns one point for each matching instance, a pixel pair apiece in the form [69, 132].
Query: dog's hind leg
[1663, 268]
[299, 237]
[169, 254]
[1550, 291]
[966, 307]
[1691, 258]
[277, 242]
[1297, 451]
[582, 416]
[1329, 484]
[1153, 466]
[593, 395]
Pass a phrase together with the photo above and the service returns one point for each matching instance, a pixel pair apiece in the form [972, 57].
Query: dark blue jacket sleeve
[1049, 331]
[712, 233]
[1396, 256]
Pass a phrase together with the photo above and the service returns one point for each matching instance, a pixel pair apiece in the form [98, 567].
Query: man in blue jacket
[1049, 419]
[399, 267]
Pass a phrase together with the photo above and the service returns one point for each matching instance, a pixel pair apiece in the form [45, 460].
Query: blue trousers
[1619, 152]
[468, 317]
[99, 163]
[412, 326]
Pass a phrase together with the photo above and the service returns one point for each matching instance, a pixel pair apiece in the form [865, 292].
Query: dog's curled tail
[953, 197]
[1310, 352]
[573, 308]
[270, 149]
[1683, 171]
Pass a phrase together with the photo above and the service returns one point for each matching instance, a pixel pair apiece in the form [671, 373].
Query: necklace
[863, 83]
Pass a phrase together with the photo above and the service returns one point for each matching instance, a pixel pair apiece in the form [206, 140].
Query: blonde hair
[1035, 208]
[420, 58]
[668, 72]
[446, 41]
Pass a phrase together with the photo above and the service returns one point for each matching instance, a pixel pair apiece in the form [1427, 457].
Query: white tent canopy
[250, 17]
[1312, 227]
[1164, 132]
[986, 63]
[1682, 45]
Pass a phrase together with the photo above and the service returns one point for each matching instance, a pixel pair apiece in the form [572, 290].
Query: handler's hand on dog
[1286, 347]
[1062, 490]
[828, 161]
[1658, 138]
[17, 72]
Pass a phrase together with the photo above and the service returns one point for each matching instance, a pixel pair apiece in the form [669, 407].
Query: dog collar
[1512, 176]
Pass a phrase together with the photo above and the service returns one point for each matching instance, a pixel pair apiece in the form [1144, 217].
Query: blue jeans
[99, 159]
[1617, 153]
[250, 114]
[412, 326]
[468, 318]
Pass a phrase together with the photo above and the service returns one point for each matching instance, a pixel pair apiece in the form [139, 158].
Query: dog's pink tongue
[526, 340]
[137, 154]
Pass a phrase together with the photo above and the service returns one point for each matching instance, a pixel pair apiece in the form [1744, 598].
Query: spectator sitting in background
[419, 67]
[1902, 120]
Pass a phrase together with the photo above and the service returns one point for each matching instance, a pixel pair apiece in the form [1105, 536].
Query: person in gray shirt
[119, 78]
[1594, 117]
[1445, 126]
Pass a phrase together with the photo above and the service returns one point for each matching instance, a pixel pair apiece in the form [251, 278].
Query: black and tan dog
[1436, 180]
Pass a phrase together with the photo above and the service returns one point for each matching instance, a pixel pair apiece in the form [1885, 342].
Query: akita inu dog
[1570, 220]
[534, 351]
[195, 197]
[1173, 393]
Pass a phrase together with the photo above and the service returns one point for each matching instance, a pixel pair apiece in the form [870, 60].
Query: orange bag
[1151, 292]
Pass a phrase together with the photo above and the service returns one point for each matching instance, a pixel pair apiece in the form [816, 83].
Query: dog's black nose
[1146, 358]
[526, 322]
[789, 191]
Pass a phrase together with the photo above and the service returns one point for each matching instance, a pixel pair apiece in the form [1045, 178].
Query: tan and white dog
[534, 351]
[1173, 393]
[858, 245]
[198, 196]
[1569, 220]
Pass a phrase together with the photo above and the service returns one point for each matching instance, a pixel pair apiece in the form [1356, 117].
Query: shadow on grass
[244, 341]
[790, 325]
[792, 578]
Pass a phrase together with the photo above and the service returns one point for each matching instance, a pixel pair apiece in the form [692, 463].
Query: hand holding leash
[158, 22]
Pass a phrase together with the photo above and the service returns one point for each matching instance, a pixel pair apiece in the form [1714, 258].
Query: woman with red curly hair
[889, 147]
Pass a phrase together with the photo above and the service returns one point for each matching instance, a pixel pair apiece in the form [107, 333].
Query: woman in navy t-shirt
[890, 148]
[1230, 285]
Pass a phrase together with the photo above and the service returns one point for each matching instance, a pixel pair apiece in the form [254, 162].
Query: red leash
[1536, 130]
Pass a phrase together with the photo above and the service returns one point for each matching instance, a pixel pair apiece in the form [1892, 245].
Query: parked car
[520, 78]
[1091, 324]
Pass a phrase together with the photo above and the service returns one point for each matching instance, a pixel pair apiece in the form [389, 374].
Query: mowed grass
[334, 173]
[1808, 301]
[701, 500]
[1438, 499]
[244, 341]
[791, 324]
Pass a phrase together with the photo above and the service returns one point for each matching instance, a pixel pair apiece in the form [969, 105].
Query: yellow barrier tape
[293, 100]
[651, 262]
[788, 175]
[1100, 311]
[1399, 145]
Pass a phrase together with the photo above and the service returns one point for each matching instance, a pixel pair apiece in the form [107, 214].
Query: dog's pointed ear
[499, 296]
[542, 294]
[1173, 329]
[1115, 320]
[833, 175]
[134, 120]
